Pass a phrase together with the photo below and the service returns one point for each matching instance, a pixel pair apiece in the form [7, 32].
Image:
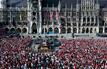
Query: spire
[28, 4]
[77, 2]
[71, 6]
[77, 6]
[97, 5]
[53, 6]
[47, 6]
[2, 3]
[59, 5]
[65, 6]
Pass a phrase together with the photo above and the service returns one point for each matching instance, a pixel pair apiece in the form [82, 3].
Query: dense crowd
[13, 50]
[15, 53]
[84, 53]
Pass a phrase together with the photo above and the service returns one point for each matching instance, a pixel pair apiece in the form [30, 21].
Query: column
[29, 17]
[40, 17]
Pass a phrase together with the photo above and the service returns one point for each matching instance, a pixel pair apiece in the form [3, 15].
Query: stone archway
[34, 28]
[75, 30]
[18, 30]
[83, 30]
[100, 30]
[92, 19]
[88, 19]
[69, 30]
[87, 30]
[7, 30]
[50, 31]
[24, 30]
[91, 30]
[84, 19]
[43, 31]
[63, 30]
[95, 30]
[56, 30]
[12, 30]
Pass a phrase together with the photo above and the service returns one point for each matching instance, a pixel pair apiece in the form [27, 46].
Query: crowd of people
[13, 50]
[84, 53]
[15, 53]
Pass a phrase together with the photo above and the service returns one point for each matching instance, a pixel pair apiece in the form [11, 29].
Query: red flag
[51, 16]
[57, 15]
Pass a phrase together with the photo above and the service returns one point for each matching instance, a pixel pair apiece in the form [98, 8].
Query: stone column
[29, 16]
[40, 17]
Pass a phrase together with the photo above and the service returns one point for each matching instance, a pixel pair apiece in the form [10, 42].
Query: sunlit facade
[87, 19]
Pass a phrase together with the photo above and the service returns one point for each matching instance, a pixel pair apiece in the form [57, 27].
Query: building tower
[2, 3]
[29, 6]
[2, 13]
[89, 17]
[34, 16]
[77, 16]
[97, 8]
[39, 25]
[58, 18]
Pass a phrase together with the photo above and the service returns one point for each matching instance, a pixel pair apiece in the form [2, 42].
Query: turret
[97, 5]
[59, 5]
[77, 6]
[2, 4]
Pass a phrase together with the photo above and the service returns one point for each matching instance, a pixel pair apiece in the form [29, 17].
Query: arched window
[12, 30]
[95, 30]
[92, 19]
[83, 30]
[84, 19]
[100, 30]
[87, 30]
[24, 30]
[55, 23]
[43, 31]
[63, 30]
[88, 24]
[49, 22]
[69, 30]
[91, 30]
[88, 19]
[34, 13]
[56, 30]
[50, 31]
[34, 28]
[6, 30]
[18, 30]
[92, 24]
[83, 24]
[63, 21]
[75, 30]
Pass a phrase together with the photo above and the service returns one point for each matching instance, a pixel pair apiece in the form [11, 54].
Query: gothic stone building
[81, 19]
[59, 18]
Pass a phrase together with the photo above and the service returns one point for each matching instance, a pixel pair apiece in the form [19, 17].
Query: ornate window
[56, 30]
[63, 30]
[69, 30]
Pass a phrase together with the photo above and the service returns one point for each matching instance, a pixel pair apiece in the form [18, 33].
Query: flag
[57, 15]
[51, 15]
